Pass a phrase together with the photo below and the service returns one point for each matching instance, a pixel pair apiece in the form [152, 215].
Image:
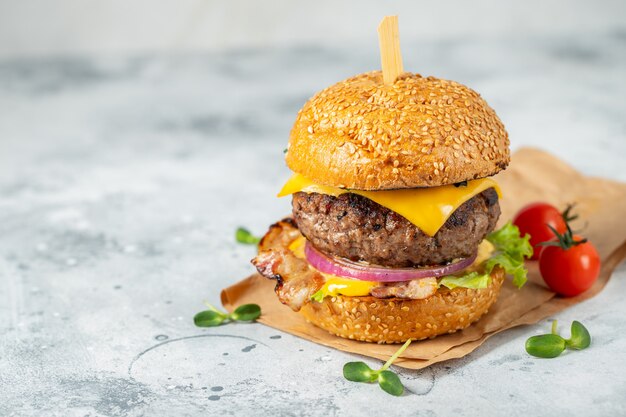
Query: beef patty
[355, 227]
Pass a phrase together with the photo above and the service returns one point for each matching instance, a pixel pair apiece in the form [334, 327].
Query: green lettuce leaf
[472, 280]
[511, 249]
[318, 296]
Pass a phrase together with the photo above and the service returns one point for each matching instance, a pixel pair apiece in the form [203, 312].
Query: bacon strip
[296, 280]
[415, 289]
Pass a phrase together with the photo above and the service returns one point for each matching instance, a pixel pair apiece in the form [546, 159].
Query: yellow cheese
[345, 286]
[297, 247]
[485, 250]
[426, 208]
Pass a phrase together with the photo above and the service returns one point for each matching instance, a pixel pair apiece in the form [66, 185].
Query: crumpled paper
[533, 175]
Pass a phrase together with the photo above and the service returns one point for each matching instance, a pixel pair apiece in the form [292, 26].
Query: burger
[393, 232]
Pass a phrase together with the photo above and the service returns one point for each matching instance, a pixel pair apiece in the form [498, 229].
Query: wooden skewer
[390, 56]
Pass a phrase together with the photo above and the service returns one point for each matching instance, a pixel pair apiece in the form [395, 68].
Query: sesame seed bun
[418, 132]
[395, 320]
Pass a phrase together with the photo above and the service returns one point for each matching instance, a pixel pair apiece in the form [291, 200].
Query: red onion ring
[346, 268]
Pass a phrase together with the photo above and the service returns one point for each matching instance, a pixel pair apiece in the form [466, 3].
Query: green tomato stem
[395, 356]
[554, 324]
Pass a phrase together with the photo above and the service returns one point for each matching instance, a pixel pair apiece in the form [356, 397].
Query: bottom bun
[395, 320]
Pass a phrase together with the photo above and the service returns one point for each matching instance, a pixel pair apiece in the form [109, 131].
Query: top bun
[418, 132]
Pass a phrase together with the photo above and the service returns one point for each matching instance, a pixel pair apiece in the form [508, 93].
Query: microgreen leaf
[244, 236]
[246, 312]
[387, 380]
[208, 318]
[390, 383]
[359, 372]
[545, 346]
[552, 345]
[214, 317]
[580, 339]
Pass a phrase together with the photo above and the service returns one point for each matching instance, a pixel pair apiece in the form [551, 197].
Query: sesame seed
[412, 118]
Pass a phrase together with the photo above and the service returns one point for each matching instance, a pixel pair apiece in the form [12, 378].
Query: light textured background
[125, 167]
[36, 27]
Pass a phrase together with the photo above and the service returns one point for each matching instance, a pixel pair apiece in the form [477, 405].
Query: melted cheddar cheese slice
[346, 286]
[426, 208]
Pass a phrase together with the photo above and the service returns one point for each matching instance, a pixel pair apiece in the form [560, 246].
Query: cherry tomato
[534, 219]
[571, 271]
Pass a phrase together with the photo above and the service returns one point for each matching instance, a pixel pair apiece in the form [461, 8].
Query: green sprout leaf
[359, 372]
[208, 318]
[552, 345]
[387, 380]
[214, 317]
[390, 383]
[244, 236]
[246, 312]
[580, 339]
[545, 346]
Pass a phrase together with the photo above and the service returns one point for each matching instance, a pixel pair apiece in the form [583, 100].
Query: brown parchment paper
[533, 175]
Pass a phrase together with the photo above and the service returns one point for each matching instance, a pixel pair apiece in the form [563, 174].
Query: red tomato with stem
[534, 220]
[569, 267]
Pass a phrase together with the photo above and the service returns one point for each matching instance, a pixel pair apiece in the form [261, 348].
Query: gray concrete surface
[122, 180]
